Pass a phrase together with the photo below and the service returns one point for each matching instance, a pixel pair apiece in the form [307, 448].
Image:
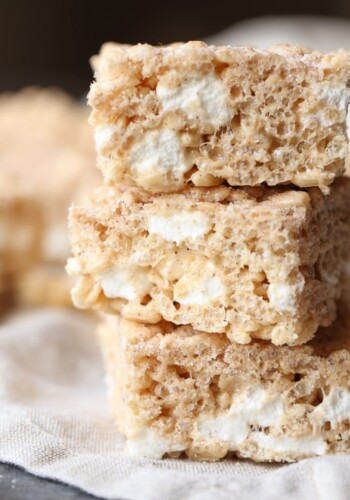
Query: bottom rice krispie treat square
[176, 390]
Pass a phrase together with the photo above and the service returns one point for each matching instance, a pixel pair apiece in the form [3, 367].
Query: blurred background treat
[21, 228]
[47, 160]
[46, 147]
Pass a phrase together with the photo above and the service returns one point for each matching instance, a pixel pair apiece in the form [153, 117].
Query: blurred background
[45, 42]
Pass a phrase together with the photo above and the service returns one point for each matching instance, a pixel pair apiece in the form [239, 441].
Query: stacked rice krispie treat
[45, 146]
[217, 248]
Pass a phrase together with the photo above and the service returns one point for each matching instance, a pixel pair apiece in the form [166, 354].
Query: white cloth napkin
[54, 422]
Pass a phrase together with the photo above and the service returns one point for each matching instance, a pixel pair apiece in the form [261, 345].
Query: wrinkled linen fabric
[55, 423]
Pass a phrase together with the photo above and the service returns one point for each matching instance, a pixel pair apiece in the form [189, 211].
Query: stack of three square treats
[217, 249]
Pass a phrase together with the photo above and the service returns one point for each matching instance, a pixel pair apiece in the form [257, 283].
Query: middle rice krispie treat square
[253, 263]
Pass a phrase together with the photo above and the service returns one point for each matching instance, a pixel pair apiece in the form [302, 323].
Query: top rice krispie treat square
[204, 115]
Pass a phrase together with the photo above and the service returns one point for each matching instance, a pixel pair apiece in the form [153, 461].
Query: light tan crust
[253, 263]
[169, 384]
[220, 114]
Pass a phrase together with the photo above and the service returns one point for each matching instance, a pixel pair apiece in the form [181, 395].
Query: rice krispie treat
[176, 390]
[21, 232]
[46, 142]
[203, 115]
[45, 285]
[252, 263]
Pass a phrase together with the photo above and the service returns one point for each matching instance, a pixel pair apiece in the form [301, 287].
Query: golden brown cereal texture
[176, 390]
[203, 115]
[252, 263]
